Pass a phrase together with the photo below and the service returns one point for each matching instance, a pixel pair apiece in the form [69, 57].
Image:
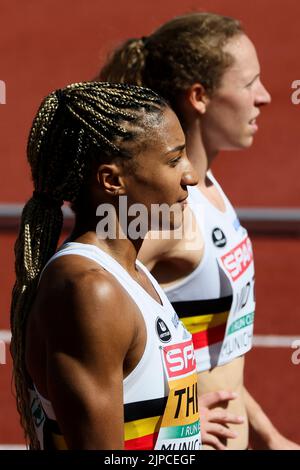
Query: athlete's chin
[248, 139]
[176, 223]
[242, 144]
[247, 143]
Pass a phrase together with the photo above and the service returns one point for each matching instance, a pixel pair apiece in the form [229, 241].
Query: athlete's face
[162, 170]
[231, 114]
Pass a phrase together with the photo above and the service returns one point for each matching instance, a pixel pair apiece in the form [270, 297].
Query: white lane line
[259, 341]
[272, 341]
[5, 335]
[12, 447]
[278, 214]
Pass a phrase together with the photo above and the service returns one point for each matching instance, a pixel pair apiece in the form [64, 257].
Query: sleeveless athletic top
[216, 301]
[160, 394]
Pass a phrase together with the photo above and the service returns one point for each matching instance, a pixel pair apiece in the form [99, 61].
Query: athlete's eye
[249, 84]
[252, 82]
[174, 161]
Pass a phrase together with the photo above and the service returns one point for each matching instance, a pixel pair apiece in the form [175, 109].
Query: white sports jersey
[160, 394]
[216, 301]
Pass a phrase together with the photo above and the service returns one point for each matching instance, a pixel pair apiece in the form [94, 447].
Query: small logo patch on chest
[218, 237]
[163, 331]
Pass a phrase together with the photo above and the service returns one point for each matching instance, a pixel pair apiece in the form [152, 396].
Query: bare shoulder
[89, 335]
[184, 244]
[83, 299]
[155, 248]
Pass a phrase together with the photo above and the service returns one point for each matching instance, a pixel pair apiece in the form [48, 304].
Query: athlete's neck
[121, 248]
[198, 153]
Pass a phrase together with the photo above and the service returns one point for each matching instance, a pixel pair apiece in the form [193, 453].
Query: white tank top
[158, 414]
[216, 301]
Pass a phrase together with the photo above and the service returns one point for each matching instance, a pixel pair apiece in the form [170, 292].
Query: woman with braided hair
[207, 68]
[92, 332]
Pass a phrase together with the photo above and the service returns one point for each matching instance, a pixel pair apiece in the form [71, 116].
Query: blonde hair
[185, 50]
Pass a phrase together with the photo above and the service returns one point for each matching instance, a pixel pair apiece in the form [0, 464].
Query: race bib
[239, 268]
[180, 427]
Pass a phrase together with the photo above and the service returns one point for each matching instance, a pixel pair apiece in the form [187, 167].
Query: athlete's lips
[253, 120]
[253, 124]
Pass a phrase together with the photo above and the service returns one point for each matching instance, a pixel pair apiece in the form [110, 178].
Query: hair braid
[126, 64]
[71, 127]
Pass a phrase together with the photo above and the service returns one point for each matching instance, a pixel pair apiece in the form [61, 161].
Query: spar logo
[179, 359]
[237, 260]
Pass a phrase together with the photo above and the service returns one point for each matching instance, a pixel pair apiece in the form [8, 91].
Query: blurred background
[47, 44]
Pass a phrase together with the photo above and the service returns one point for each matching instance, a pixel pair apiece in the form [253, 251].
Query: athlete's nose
[263, 97]
[189, 176]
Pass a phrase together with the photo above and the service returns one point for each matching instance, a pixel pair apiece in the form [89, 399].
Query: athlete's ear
[197, 97]
[110, 178]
